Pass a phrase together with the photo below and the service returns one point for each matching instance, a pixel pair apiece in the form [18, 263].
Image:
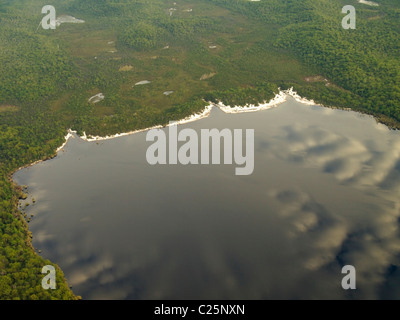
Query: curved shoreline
[279, 98]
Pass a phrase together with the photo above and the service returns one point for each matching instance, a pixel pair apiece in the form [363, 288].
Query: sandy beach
[280, 98]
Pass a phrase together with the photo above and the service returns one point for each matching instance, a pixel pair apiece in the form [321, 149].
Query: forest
[237, 52]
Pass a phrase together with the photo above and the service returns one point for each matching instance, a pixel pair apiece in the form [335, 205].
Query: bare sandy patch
[315, 79]
[126, 68]
[369, 3]
[375, 18]
[8, 108]
[207, 76]
[96, 98]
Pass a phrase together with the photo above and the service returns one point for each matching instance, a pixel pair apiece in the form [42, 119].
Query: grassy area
[6, 108]
[244, 56]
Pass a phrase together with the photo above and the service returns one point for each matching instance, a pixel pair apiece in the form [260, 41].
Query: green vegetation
[20, 267]
[141, 36]
[204, 50]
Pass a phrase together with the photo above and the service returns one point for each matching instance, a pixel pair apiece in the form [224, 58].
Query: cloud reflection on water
[322, 196]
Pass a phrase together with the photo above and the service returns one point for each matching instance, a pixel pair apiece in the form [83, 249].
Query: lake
[324, 193]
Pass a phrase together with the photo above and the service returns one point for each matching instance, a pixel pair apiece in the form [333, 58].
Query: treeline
[20, 268]
[279, 12]
[31, 70]
[100, 8]
[363, 61]
[31, 66]
[127, 119]
[24, 136]
[188, 27]
[142, 36]
[363, 64]
[257, 94]
[148, 35]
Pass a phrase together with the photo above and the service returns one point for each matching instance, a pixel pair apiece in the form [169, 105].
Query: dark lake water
[324, 194]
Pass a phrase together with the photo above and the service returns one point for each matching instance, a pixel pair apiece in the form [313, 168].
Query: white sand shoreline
[369, 3]
[280, 98]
